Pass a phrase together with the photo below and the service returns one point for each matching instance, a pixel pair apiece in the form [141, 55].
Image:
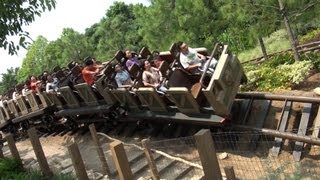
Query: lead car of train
[190, 98]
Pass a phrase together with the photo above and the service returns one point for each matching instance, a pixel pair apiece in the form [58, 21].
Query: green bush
[9, 166]
[314, 58]
[12, 169]
[310, 37]
[279, 72]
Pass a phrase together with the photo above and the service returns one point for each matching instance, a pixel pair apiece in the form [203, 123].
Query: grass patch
[277, 41]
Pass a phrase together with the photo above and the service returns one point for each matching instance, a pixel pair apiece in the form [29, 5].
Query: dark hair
[87, 58]
[143, 62]
[88, 62]
[178, 44]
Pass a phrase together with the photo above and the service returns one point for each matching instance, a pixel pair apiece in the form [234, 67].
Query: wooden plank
[1, 153]
[151, 98]
[38, 151]
[105, 166]
[298, 147]
[121, 160]
[32, 99]
[13, 148]
[316, 131]
[77, 162]
[184, 100]
[259, 121]
[207, 153]
[245, 110]
[282, 127]
[87, 94]
[151, 162]
[229, 173]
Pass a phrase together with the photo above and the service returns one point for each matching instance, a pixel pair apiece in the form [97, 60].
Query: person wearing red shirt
[34, 84]
[89, 71]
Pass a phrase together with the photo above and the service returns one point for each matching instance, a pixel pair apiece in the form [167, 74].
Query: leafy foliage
[9, 166]
[15, 14]
[280, 72]
[117, 30]
[33, 63]
[310, 37]
[12, 169]
[9, 80]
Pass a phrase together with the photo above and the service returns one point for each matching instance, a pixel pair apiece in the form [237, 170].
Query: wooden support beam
[230, 173]
[77, 162]
[298, 147]
[38, 151]
[13, 148]
[105, 166]
[282, 127]
[1, 153]
[151, 162]
[207, 153]
[121, 160]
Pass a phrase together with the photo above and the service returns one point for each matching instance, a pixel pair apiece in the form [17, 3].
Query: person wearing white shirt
[193, 61]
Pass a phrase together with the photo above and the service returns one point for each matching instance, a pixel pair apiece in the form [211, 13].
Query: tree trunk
[173, 4]
[289, 30]
[263, 48]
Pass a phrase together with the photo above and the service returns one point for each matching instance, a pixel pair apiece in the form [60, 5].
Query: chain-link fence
[251, 154]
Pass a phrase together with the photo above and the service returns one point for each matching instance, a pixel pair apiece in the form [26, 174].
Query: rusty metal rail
[284, 135]
[265, 96]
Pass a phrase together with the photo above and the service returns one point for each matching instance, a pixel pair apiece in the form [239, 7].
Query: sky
[75, 14]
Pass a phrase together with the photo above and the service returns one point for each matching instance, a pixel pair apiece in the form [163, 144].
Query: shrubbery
[280, 72]
[310, 37]
[12, 169]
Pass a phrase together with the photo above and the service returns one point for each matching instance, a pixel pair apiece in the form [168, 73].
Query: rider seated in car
[34, 83]
[132, 59]
[122, 77]
[151, 77]
[193, 61]
[89, 71]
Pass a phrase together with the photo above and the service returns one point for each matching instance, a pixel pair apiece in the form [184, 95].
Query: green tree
[158, 24]
[9, 79]
[70, 46]
[34, 62]
[13, 15]
[117, 30]
[249, 21]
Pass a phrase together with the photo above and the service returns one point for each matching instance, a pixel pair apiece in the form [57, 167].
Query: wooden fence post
[1, 153]
[77, 162]
[207, 155]
[229, 173]
[1, 146]
[38, 151]
[121, 160]
[151, 162]
[13, 148]
[105, 167]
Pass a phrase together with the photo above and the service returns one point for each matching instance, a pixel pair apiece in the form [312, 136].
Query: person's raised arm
[202, 57]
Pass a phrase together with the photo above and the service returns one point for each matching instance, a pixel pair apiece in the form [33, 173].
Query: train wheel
[71, 125]
[24, 126]
[48, 122]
